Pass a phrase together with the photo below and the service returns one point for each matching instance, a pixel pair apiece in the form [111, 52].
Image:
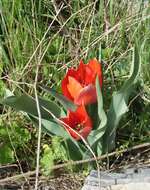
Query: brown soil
[63, 182]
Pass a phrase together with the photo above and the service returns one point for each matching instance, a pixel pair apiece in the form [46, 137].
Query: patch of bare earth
[62, 182]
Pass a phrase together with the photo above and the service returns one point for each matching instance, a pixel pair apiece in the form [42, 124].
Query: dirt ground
[64, 182]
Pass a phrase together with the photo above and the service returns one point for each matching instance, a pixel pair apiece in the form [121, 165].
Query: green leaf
[68, 105]
[6, 155]
[119, 103]
[93, 114]
[51, 106]
[27, 104]
[101, 113]
[94, 138]
[74, 150]
[51, 128]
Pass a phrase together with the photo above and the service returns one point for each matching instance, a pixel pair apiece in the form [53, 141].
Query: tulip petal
[85, 132]
[78, 121]
[73, 86]
[89, 76]
[85, 73]
[97, 69]
[81, 71]
[87, 95]
[72, 73]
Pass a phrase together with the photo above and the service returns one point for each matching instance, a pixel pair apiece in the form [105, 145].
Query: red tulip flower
[78, 121]
[79, 85]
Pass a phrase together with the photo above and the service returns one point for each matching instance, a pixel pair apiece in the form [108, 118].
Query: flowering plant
[81, 90]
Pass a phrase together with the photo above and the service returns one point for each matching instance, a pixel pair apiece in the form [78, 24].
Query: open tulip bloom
[81, 88]
[79, 121]
[79, 85]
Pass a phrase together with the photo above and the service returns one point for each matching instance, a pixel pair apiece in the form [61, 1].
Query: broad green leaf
[51, 106]
[101, 113]
[68, 105]
[74, 149]
[93, 114]
[51, 128]
[62, 113]
[27, 104]
[119, 103]
[94, 138]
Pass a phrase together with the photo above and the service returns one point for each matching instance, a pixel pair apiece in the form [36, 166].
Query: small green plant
[12, 138]
[53, 154]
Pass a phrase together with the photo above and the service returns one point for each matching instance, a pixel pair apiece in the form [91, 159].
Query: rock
[131, 186]
[129, 179]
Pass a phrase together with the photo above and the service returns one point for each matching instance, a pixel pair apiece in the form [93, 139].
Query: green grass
[83, 29]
